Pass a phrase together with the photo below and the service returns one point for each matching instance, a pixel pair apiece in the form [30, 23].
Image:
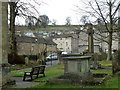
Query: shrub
[15, 59]
[31, 57]
[116, 61]
[98, 56]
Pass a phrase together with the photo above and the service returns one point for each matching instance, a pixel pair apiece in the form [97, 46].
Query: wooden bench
[35, 71]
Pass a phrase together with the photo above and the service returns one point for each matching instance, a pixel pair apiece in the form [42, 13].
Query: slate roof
[63, 36]
[25, 39]
[30, 39]
[49, 41]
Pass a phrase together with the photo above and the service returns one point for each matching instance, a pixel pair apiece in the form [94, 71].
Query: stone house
[64, 42]
[51, 46]
[74, 43]
[33, 46]
[99, 46]
[30, 45]
[83, 48]
[83, 43]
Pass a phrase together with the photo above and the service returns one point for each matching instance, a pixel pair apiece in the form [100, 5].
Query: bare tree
[106, 12]
[22, 9]
[54, 22]
[68, 21]
[84, 19]
[44, 20]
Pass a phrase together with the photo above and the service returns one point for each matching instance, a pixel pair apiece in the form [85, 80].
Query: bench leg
[31, 77]
[37, 75]
[43, 75]
[24, 78]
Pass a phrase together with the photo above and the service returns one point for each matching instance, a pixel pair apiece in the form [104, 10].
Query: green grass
[46, 85]
[105, 63]
[52, 72]
[18, 73]
[112, 83]
[49, 71]
[59, 70]
[102, 71]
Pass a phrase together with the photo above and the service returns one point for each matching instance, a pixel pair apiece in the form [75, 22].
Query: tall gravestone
[4, 66]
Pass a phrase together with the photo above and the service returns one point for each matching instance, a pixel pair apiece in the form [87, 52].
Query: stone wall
[30, 48]
[82, 48]
[63, 44]
[51, 49]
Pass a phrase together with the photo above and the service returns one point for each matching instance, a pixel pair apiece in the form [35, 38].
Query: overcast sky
[59, 10]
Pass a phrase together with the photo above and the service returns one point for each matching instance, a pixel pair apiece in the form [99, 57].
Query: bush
[98, 56]
[31, 57]
[103, 56]
[15, 59]
[116, 61]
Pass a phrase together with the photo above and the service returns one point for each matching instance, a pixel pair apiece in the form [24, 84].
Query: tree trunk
[118, 40]
[13, 49]
[109, 56]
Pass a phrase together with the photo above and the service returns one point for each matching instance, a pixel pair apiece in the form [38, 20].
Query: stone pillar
[4, 66]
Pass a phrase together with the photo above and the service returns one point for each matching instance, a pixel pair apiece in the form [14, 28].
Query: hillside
[49, 28]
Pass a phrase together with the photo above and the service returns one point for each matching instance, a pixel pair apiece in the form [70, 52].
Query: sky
[58, 10]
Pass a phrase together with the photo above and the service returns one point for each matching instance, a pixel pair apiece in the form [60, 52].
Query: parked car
[53, 56]
[66, 52]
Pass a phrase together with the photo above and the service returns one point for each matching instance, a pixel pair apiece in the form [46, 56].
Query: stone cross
[90, 38]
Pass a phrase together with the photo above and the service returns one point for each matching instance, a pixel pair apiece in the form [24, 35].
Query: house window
[32, 48]
[68, 48]
[61, 44]
[66, 43]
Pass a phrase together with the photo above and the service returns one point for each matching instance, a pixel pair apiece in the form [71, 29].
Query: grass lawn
[102, 71]
[105, 63]
[112, 83]
[59, 70]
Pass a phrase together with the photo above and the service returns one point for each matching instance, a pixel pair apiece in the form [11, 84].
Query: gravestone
[26, 60]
